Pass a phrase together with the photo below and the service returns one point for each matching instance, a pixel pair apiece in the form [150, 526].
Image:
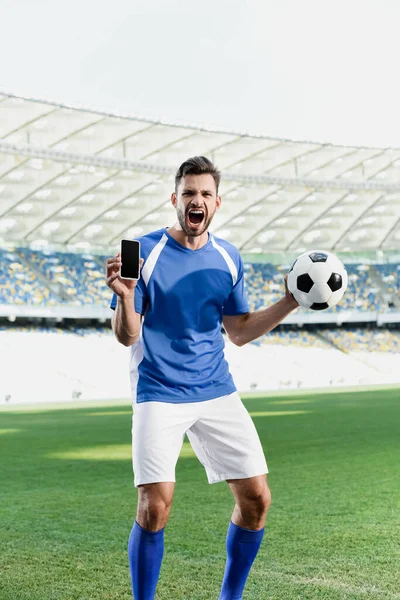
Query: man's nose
[198, 199]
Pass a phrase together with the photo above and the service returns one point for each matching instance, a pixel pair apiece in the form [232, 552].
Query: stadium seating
[284, 337]
[364, 340]
[19, 284]
[361, 293]
[264, 284]
[81, 278]
[32, 276]
[390, 275]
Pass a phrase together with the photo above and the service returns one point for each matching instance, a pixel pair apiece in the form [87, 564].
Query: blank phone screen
[130, 259]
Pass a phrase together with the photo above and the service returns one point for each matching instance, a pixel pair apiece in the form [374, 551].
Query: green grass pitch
[333, 532]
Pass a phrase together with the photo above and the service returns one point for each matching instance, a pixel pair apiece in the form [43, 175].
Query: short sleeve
[113, 303]
[237, 303]
[140, 298]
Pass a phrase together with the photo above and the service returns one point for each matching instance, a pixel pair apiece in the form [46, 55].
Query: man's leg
[157, 436]
[245, 532]
[226, 442]
[146, 542]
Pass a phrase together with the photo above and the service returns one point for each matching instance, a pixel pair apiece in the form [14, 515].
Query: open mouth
[195, 216]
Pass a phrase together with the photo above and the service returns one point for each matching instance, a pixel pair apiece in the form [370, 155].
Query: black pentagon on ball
[304, 283]
[335, 282]
[319, 306]
[318, 256]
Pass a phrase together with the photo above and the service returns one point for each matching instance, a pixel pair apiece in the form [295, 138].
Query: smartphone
[130, 255]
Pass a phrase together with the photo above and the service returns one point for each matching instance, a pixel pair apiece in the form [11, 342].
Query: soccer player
[191, 284]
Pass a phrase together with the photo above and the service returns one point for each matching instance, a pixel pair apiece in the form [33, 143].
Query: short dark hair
[198, 165]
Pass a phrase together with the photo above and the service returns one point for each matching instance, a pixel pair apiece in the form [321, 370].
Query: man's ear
[218, 202]
[173, 199]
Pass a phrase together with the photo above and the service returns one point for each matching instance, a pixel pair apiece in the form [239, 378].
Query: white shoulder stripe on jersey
[153, 258]
[228, 260]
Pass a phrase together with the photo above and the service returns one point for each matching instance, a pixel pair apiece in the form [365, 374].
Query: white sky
[303, 69]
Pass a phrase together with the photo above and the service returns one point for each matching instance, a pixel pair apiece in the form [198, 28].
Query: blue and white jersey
[183, 295]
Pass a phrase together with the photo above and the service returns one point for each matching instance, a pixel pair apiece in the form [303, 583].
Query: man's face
[196, 202]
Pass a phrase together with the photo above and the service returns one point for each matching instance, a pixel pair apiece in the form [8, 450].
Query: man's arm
[242, 329]
[126, 322]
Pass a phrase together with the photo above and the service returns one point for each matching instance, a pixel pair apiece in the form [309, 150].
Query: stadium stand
[390, 275]
[364, 340]
[81, 278]
[19, 284]
[263, 284]
[49, 278]
[361, 293]
[261, 217]
[286, 337]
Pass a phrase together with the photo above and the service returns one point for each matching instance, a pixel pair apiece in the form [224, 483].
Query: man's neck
[192, 242]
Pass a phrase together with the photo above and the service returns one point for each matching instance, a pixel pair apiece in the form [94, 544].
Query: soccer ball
[317, 280]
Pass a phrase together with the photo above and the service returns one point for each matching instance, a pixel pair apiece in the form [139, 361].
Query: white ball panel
[336, 264]
[303, 264]
[320, 272]
[336, 297]
[320, 292]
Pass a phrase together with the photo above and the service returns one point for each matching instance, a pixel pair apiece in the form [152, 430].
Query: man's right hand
[122, 287]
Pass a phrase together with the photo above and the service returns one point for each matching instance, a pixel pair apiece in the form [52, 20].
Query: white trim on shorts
[221, 433]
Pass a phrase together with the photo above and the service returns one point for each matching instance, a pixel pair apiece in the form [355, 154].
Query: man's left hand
[289, 295]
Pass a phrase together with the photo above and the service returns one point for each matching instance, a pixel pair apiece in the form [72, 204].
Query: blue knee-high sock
[242, 546]
[145, 551]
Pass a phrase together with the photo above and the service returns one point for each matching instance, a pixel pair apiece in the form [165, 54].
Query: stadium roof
[85, 179]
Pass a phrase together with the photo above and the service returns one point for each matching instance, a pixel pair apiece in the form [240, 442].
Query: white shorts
[221, 432]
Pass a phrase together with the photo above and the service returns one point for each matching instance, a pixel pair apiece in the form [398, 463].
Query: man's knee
[257, 502]
[154, 505]
[153, 515]
[253, 499]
